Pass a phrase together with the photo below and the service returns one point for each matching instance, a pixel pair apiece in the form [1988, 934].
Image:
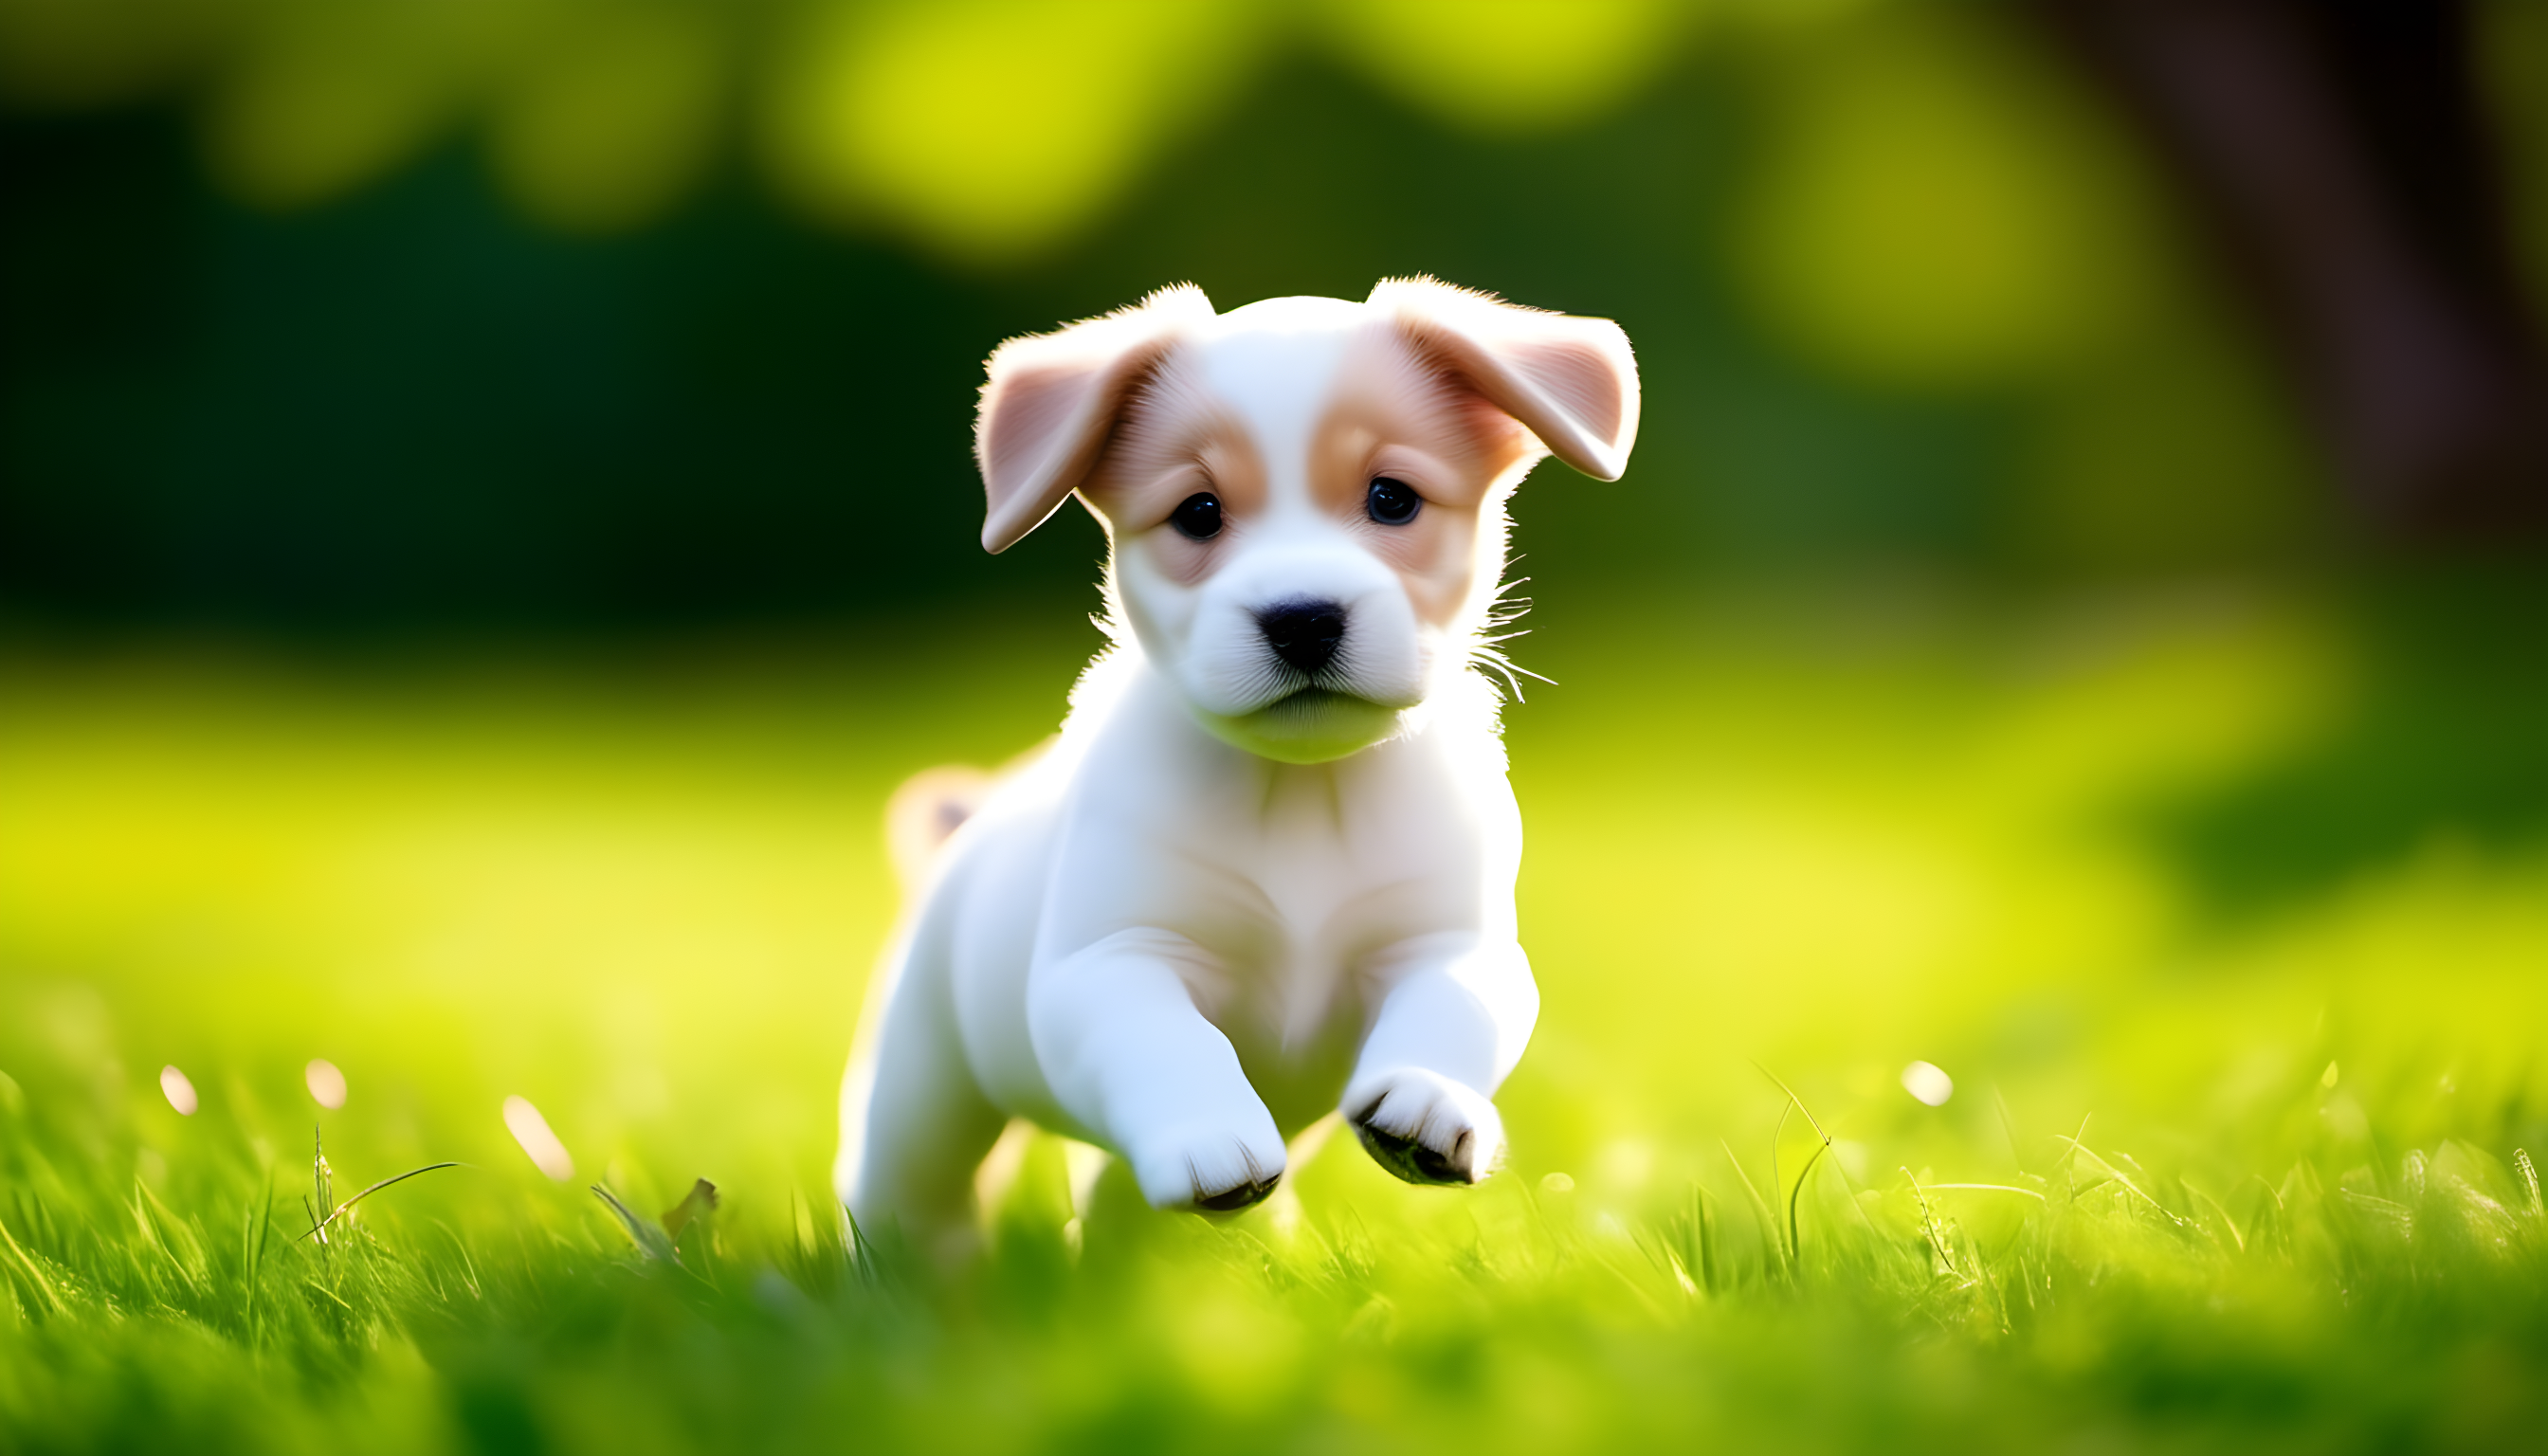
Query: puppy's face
[1306, 519]
[1306, 500]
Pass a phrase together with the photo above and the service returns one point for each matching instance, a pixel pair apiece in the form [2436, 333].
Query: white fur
[1233, 897]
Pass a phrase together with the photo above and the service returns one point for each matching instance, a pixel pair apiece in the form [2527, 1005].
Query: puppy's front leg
[1455, 1014]
[1128, 1055]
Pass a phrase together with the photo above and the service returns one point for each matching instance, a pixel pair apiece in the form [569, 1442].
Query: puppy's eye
[1197, 515]
[1392, 503]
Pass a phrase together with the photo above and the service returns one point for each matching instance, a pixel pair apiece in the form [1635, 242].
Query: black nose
[1302, 633]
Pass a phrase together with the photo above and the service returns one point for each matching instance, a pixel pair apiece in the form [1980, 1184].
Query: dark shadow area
[2446, 744]
[2341, 156]
[414, 409]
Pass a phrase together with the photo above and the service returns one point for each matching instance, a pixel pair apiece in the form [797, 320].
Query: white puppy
[1267, 870]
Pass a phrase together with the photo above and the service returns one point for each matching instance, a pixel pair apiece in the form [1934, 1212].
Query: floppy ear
[1572, 382]
[1051, 403]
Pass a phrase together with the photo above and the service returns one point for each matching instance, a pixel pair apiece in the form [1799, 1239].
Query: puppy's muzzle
[1305, 633]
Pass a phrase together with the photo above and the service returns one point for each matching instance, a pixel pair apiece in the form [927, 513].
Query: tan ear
[1052, 402]
[1572, 382]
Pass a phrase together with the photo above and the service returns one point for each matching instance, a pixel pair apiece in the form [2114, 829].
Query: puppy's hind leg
[914, 1123]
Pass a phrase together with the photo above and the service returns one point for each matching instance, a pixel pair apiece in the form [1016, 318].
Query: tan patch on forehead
[1389, 395]
[1176, 437]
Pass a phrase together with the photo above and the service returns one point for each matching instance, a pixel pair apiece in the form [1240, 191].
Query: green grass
[2227, 910]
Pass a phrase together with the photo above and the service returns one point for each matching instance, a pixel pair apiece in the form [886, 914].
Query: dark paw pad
[1410, 1161]
[1246, 1195]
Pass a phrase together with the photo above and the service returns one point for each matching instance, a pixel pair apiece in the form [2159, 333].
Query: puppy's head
[1305, 496]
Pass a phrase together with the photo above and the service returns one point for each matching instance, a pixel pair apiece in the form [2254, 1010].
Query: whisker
[1503, 609]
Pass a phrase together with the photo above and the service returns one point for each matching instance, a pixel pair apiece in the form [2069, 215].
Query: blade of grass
[1799, 1101]
[468, 1265]
[155, 1232]
[650, 1239]
[1761, 1214]
[1778, 1180]
[1928, 1226]
[256, 1223]
[2218, 1208]
[1993, 1188]
[2130, 1186]
[1706, 1241]
[1795, 1243]
[2008, 1127]
[862, 1251]
[34, 1272]
[321, 1178]
[1828, 1144]
[320, 1227]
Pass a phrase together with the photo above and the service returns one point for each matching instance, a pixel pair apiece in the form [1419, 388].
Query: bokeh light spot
[1935, 209]
[1925, 1081]
[326, 1084]
[1504, 66]
[532, 1129]
[312, 109]
[179, 1092]
[613, 127]
[988, 128]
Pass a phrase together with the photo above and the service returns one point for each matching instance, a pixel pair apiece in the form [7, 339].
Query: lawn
[2225, 909]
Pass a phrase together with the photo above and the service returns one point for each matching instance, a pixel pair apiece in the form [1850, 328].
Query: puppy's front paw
[1425, 1128]
[1208, 1167]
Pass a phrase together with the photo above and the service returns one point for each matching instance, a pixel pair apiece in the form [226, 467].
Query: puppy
[1266, 871]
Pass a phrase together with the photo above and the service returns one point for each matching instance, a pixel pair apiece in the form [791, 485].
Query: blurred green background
[487, 518]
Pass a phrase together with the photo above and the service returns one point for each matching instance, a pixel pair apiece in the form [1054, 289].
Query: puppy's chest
[1291, 881]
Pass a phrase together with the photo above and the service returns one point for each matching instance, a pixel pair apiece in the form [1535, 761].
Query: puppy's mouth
[1312, 701]
[1310, 724]
[1326, 693]
[1281, 692]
